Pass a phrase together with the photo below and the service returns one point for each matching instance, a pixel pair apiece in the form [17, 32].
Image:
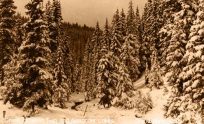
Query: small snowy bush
[134, 100]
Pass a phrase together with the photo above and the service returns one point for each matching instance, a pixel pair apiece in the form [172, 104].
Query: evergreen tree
[130, 56]
[154, 76]
[152, 23]
[138, 25]
[53, 18]
[48, 13]
[33, 85]
[106, 38]
[145, 48]
[171, 7]
[62, 86]
[61, 82]
[117, 37]
[19, 32]
[7, 38]
[93, 52]
[122, 23]
[68, 63]
[131, 24]
[88, 72]
[96, 54]
[96, 40]
[113, 76]
[187, 91]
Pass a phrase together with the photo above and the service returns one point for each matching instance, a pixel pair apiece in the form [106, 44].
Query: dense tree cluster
[37, 63]
[43, 60]
[112, 58]
[174, 30]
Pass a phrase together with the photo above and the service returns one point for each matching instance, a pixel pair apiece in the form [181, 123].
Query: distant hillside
[78, 36]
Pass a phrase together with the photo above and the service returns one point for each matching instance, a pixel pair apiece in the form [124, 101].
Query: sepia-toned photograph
[101, 61]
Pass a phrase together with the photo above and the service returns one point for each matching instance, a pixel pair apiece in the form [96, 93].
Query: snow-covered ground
[94, 113]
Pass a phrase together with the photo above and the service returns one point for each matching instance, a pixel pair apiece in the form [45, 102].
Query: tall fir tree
[171, 7]
[61, 82]
[130, 56]
[53, 17]
[106, 38]
[93, 52]
[145, 48]
[122, 23]
[88, 72]
[113, 77]
[152, 23]
[131, 25]
[187, 91]
[33, 84]
[138, 24]
[19, 29]
[96, 42]
[7, 38]
[117, 37]
[174, 36]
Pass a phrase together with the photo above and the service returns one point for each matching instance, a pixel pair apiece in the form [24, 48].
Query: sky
[88, 11]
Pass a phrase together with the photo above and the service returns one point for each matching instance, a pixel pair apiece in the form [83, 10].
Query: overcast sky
[88, 11]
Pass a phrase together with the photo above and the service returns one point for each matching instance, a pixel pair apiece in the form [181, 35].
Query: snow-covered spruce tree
[152, 22]
[188, 103]
[145, 48]
[68, 63]
[113, 75]
[113, 78]
[176, 30]
[61, 82]
[53, 17]
[62, 86]
[77, 73]
[96, 54]
[171, 7]
[48, 12]
[92, 55]
[130, 56]
[96, 40]
[138, 25]
[19, 31]
[88, 72]
[154, 74]
[174, 36]
[7, 38]
[106, 40]
[106, 37]
[116, 34]
[33, 84]
[131, 24]
[122, 23]
[178, 16]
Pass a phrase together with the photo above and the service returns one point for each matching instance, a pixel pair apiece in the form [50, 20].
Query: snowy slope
[156, 115]
[94, 113]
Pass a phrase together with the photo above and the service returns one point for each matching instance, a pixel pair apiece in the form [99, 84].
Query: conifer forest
[141, 67]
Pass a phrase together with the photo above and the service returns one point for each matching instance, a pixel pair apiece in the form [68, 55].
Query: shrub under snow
[134, 100]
